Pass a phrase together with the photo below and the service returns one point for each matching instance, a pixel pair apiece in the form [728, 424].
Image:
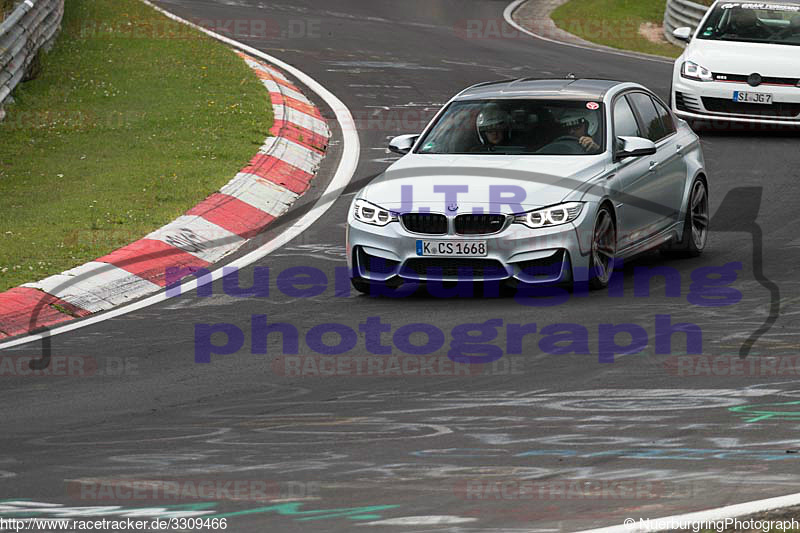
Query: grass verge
[6, 6]
[132, 120]
[615, 23]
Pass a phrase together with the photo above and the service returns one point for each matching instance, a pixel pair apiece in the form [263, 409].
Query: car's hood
[745, 58]
[421, 181]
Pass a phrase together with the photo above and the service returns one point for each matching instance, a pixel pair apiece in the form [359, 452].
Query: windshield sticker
[592, 105]
[756, 5]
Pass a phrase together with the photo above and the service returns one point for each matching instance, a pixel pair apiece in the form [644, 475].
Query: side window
[666, 118]
[651, 122]
[624, 121]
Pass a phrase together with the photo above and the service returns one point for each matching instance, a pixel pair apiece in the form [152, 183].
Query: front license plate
[452, 248]
[752, 98]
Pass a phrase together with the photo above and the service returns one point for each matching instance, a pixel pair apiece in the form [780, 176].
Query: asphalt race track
[663, 433]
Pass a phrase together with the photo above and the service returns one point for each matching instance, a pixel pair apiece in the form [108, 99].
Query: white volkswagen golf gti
[532, 182]
[742, 65]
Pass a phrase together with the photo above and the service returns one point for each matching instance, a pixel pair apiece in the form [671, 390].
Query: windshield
[517, 127]
[753, 22]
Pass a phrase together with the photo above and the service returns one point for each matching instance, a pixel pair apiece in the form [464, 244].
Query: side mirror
[634, 147]
[684, 33]
[403, 144]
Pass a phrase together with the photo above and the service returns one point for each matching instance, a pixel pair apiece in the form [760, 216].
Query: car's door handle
[679, 149]
[653, 165]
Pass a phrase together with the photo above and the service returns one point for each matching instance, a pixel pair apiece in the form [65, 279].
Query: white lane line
[509, 11]
[720, 513]
[427, 520]
[344, 173]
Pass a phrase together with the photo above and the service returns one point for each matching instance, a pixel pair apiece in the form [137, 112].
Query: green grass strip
[615, 23]
[132, 120]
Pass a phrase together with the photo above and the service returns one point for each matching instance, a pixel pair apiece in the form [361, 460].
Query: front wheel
[604, 248]
[695, 224]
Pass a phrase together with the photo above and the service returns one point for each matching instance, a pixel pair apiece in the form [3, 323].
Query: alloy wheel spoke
[699, 196]
[603, 247]
[606, 250]
[599, 266]
[699, 215]
[700, 219]
[604, 225]
[699, 236]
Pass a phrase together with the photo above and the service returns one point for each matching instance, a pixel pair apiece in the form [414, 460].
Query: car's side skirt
[653, 241]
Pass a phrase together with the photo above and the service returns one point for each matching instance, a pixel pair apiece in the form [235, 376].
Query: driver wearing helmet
[575, 123]
[746, 24]
[494, 127]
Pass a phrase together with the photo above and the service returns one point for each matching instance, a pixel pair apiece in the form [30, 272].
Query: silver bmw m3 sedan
[532, 182]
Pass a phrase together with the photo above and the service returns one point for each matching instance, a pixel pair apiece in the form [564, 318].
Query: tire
[604, 249]
[695, 224]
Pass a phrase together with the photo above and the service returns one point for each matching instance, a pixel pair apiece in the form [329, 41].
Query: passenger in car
[745, 23]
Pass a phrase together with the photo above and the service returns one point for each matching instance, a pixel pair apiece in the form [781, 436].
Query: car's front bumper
[713, 102]
[531, 256]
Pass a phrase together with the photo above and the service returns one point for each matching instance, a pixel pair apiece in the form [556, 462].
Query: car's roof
[567, 88]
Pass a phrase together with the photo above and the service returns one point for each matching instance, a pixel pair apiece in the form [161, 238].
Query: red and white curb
[273, 180]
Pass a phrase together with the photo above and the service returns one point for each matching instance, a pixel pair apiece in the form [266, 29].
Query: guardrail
[682, 13]
[30, 27]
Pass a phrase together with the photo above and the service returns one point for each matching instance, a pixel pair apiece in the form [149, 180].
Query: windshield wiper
[743, 40]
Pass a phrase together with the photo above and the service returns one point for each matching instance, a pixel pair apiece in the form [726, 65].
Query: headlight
[372, 214]
[550, 216]
[693, 71]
